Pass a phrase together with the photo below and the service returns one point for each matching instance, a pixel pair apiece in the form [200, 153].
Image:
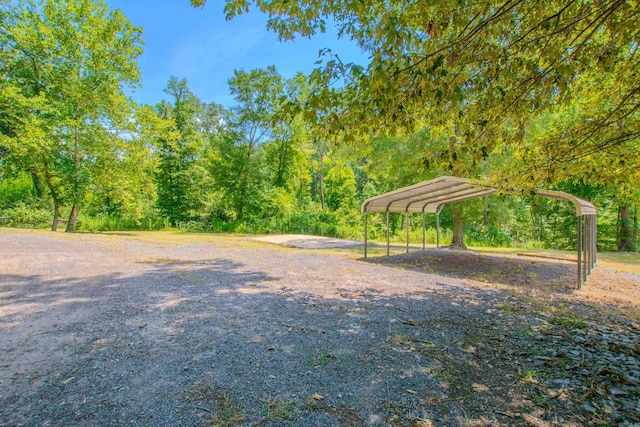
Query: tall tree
[75, 57]
[287, 154]
[124, 186]
[257, 94]
[179, 145]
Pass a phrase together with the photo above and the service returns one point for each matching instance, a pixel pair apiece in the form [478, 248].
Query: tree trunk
[281, 168]
[458, 228]
[73, 217]
[56, 214]
[37, 182]
[321, 175]
[243, 188]
[625, 242]
[457, 168]
[635, 227]
[54, 195]
[485, 218]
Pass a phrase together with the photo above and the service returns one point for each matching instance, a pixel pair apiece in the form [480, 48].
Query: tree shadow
[163, 343]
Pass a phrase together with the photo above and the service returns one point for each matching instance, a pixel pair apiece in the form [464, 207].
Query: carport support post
[595, 241]
[579, 245]
[406, 214]
[365, 234]
[424, 231]
[387, 231]
[590, 231]
[585, 255]
[594, 249]
[438, 229]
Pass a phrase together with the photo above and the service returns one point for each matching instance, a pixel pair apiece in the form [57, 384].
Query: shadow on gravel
[216, 343]
[544, 275]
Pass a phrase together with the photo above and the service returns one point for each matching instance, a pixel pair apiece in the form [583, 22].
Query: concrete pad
[308, 242]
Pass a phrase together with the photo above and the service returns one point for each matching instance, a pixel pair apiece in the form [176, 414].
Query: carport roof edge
[430, 196]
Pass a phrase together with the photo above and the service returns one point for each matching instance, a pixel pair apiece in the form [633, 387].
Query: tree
[341, 186]
[288, 154]
[493, 63]
[70, 59]
[257, 94]
[124, 186]
[179, 145]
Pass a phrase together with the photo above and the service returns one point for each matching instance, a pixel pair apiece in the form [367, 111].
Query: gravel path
[125, 330]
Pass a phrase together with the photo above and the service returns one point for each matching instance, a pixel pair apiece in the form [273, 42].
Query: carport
[431, 196]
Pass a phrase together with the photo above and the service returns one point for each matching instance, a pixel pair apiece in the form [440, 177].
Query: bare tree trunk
[618, 228]
[37, 182]
[281, 168]
[321, 175]
[56, 214]
[54, 195]
[485, 217]
[456, 167]
[635, 227]
[625, 242]
[73, 217]
[458, 228]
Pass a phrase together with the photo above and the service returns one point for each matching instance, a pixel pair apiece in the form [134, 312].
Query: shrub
[25, 215]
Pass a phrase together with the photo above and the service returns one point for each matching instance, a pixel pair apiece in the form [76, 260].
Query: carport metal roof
[431, 196]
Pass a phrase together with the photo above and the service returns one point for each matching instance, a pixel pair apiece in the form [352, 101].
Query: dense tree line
[301, 154]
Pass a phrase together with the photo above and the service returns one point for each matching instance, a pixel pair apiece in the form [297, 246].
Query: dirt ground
[171, 329]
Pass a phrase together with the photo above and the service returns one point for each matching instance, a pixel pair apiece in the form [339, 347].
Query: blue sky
[199, 45]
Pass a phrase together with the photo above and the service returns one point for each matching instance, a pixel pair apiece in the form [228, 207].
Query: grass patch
[323, 358]
[570, 322]
[510, 308]
[522, 331]
[529, 376]
[279, 410]
[226, 412]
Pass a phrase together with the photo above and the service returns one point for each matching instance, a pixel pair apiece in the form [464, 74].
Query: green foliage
[98, 223]
[16, 189]
[25, 215]
[487, 66]
[492, 236]
[340, 187]
[256, 93]
[66, 63]
[178, 144]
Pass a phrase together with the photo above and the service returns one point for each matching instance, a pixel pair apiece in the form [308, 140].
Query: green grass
[529, 376]
[279, 410]
[323, 358]
[570, 322]
[226, 412]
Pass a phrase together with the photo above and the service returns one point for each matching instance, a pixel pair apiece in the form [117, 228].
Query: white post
[387, 231]
[407, 228]
[424, 232]
[365, 234]
[438, 229]
[579, 245]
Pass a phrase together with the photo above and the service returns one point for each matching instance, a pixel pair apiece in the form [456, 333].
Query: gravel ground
[195, 330]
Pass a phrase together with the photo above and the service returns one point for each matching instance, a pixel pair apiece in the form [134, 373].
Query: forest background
[520, 95]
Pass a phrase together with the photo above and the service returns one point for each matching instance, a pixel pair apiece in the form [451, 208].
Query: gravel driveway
[100, 330]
